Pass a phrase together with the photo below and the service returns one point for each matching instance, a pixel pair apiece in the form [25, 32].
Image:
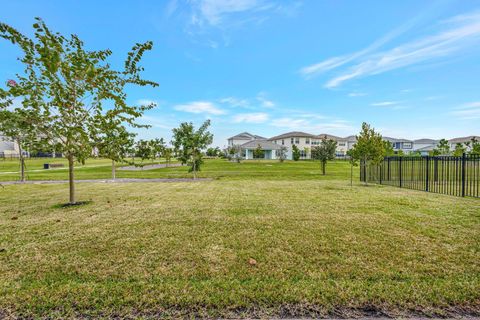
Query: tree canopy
[189, 144]
[72, 90]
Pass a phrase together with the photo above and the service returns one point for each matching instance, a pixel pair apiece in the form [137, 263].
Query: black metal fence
[456, 176]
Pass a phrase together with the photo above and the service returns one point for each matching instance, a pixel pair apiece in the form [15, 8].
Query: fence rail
[456, 176]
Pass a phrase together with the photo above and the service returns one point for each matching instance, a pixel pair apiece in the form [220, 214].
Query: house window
[283, 142]
[396, 145]
[303, 154]
[307, 140]
[407, 145]
[297, 140]
[341, 144]
[292, 141]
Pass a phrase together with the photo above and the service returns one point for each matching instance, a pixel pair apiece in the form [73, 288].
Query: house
[242, 138]
[404, 145]
[424, 146]
[249, 142]
[453, 142]
[8, 148]
[306, 141]
[303, 141]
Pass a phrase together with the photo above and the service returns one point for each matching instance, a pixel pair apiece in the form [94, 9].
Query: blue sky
[410, 68]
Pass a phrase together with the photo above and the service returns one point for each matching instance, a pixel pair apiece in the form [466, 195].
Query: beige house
[8, 148]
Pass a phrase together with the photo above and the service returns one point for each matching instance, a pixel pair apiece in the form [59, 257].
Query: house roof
[264, 144]
[351, 138]
[432, 141]
[426, 148]
[396, 140]
[246, 136]
[329, 136]
[293, 134]
[463, 139]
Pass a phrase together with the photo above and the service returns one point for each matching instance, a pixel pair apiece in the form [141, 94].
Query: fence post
[464, 158]
[400, 170]
[427, 173]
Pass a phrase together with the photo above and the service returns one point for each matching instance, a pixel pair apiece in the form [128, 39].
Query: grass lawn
[167, 249]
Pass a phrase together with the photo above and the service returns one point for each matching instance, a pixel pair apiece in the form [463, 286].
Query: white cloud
[258, 117]
[385, 103]
[469, 111]
[458, 33]
[200, 107]
[214, 12]
[357, 94]
[235, 102]
[265, 102]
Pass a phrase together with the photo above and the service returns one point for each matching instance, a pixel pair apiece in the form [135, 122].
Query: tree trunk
[71, 181]
[324, 164]
[351, 175]
[22, 161]
[113, 169]
[366, 171]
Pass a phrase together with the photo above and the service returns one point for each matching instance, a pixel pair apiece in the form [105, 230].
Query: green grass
[258, 169]
[170, 249]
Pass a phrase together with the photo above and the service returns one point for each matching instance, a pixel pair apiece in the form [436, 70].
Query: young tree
[324, 152]
[442, 149]
[282, 154]
[213, 152]
[114, 142]
[353, 163]
[295, 153]
[157, 147]
[258, 152]
[168, 154]
[369, 147]
[143, 150]
[236, 153]
[189, 144]
[68, 87]
[387, 146]
[474, 146]
[13, 125]
[460, 149]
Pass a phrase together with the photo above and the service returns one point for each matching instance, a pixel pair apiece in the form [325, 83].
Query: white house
[306, 141]
[8, 148]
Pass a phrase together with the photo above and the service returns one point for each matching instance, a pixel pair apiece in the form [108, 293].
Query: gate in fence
[456, 176]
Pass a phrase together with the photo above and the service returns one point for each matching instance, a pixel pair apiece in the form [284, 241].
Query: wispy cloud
[261, 97]
[208, 21]
[258, 117]
[469, 111]
[385, 103]
[235, 102]
[357, 94]
[215, 12]
[458, 33]
[200, 107]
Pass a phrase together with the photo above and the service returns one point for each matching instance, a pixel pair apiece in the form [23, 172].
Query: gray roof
[396, 139]
[246, 136]
[264, 144]
[427, 148]
[432, 141]
[351, 138]
[329, 136]
[463, 139]
[293, 134]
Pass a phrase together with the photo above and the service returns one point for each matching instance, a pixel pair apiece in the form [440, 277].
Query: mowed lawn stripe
[180, 247]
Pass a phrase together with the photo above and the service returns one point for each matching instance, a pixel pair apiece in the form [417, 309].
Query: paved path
[119, 180]
[150, 166]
